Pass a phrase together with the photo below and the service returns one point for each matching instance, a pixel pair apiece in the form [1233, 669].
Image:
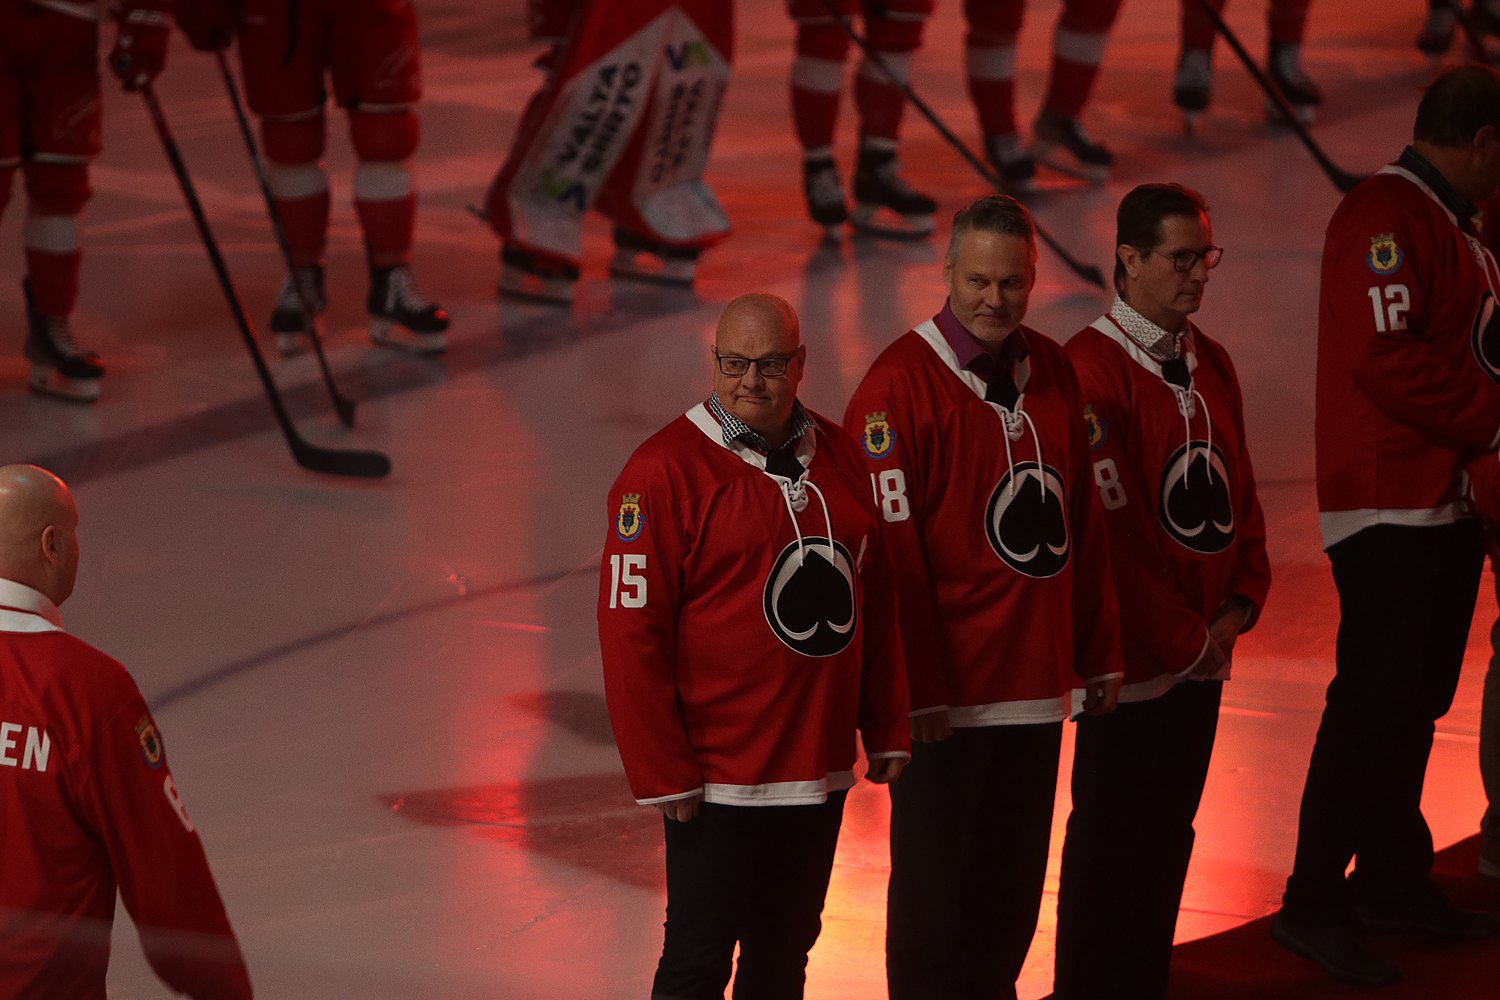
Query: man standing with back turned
[87, 802]
[1408, 364]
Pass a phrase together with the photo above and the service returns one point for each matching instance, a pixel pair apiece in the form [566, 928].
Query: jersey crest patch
[1196, 506]
[878, 439]
[631, 520]
[1026, 520]
[809, 597]
[1098, 429]
[1385, 256]
[146, 735]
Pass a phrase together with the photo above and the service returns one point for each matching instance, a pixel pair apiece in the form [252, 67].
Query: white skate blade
[386, 333]
[289, 345]
[1190, 122]
[1305, 113]
[538, 288]
[877, 220]
[640, 265]
[49, 382]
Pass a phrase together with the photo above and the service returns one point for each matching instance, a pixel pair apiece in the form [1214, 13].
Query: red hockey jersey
[994, 528]
[87, 802]
[747, 622]
[1408, 357]
[1185, 525]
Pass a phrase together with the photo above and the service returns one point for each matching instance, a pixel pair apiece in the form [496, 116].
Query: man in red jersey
[1408, 365]
[748, 627]
[972, 430]
[87, 802]
[1187, 544]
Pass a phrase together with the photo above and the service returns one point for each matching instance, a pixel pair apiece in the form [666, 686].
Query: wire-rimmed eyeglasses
[1184, 260]
[770, 366]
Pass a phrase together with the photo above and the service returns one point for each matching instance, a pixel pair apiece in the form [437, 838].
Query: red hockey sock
[817, 80]
[880, 101]
[306, 223]
[53, 257]
[992, 87]
[1197, 29]
[1077, 49]
[387, 211]
[1287, 20]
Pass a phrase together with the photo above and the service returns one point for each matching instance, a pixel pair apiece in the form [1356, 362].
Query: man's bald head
[38, 521]
[763, 330]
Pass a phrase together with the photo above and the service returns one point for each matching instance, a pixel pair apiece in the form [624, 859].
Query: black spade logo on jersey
[809, 597]
[1485, 336]
[1028, 526]
[1196, 508]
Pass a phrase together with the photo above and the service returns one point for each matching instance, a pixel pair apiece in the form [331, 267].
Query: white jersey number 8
[1107, 478]
[890, 494]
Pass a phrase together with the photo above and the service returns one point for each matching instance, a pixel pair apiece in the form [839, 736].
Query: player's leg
[60, 110]
[990, 62]
[1286, 24]
[705, 888]
[1489, 754]
[377, 76]
[283, 80]
[884, 202]
[1077, 49]
[1192, 89]
[816, 87]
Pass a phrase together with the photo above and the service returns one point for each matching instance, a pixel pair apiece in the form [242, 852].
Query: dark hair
[1457, 105]
[1139, 217]
[994, 213]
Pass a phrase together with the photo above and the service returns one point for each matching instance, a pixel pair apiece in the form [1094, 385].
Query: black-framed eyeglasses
[770, 366]
[1184, 260]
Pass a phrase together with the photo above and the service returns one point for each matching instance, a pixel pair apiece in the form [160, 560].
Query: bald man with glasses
[747, 623]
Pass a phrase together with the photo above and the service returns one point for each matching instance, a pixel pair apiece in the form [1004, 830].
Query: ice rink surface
[382, 699]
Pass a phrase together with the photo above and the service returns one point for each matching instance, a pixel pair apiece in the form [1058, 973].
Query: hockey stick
[1087, 272]
[1471, 32]
[370, 464]
[342, 405]
[1341, 179]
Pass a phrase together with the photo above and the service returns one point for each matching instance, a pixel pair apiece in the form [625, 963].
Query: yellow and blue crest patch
[1096, 427]
[150, 741]
[1385, 255]
[879, 439]
[631, 520]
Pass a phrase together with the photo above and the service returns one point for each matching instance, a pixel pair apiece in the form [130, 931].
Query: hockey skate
[288, 322]
[400, 317]
[885, 204]
[1437, 32]
[640, 258]
[524, 275]
[1085, 158]
[825, 194]
[1015, 167]
[59, 367]
[1192, 90]
[1284, 67]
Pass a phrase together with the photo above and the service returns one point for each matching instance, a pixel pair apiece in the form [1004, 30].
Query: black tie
[783, 462]
[1176, 372]
[1002, 388]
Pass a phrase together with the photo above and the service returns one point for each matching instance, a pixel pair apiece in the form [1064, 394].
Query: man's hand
[140, 49]
[931, 727]
[209, 24]
[1226, 624]
[1209, 662]
[884, 770]
[681, 810]
[1100, 697]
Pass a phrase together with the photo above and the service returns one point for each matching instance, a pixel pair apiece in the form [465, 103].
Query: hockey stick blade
[338, 462]
[342, 405]
[1341, 179]
[1086, 272]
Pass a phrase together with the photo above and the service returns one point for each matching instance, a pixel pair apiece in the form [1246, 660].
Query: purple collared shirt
[970, 350]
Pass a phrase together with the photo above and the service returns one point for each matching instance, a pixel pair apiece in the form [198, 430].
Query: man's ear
[49, 543]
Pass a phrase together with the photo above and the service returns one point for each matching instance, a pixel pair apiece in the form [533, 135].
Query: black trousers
[1138, 776]
[756, 875]
[971, 820]
[1406, 596]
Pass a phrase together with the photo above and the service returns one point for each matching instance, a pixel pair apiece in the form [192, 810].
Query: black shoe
[59, 366]
[644, 259]
[884, 203]
[288, 322]
[824, 193]
[1429, 913]
[524, 275]
[1284, 67]
[1437, 31]
[1089, 158]
[1015, 166]
[400, 316]
[1337, 949]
